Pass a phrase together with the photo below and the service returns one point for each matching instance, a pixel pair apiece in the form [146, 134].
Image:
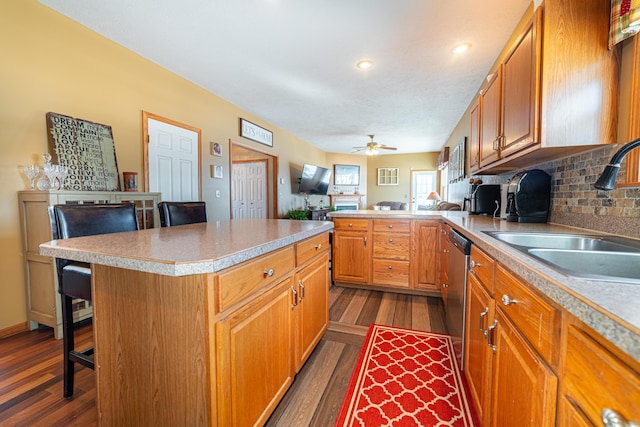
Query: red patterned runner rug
[406, 378]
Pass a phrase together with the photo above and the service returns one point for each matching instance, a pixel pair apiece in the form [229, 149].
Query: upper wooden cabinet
[554, 93]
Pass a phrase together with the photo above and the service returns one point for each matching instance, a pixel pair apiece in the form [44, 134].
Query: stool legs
[71, 356]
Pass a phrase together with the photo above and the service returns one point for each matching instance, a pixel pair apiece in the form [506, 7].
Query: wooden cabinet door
[351, 260]
[490, 124]
[424, 255]
[444, 249]
[520, 76]
[255, 357]
[524, 389]
[478, 356]
[474, 137]
[311, 314]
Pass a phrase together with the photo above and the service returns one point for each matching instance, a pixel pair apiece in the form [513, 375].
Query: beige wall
[50, 63]
[405, 163]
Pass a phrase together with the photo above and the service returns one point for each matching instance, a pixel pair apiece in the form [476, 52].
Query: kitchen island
[203, 324]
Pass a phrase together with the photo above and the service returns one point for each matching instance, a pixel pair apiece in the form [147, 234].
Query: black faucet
[607, 178]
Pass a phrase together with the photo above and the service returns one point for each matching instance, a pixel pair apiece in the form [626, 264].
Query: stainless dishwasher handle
[611, 418]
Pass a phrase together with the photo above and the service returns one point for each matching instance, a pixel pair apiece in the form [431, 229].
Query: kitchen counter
[610, 308]
[189, 249]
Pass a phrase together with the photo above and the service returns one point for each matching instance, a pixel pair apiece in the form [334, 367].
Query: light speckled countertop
[610, 308]
[187, 249]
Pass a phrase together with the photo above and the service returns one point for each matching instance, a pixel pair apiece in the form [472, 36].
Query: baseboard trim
[12, 330]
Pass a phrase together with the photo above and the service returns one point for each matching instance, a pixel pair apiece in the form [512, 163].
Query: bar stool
[181, 213]
[74, 278]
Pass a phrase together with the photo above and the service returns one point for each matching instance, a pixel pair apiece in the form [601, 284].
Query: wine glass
[31, 171]
[63, 171]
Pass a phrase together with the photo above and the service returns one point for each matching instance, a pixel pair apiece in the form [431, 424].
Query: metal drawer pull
[390, 268]
[319, 246]
[482, 316]
[390, 240]
[269, 272]
[301, 289]
[295, 297]
[350, 225]
[490, 336]
[473, 264]
[507, 300]
[611, 418]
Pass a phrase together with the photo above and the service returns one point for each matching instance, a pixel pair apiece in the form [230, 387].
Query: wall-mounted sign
[256, 133]
[87, 150]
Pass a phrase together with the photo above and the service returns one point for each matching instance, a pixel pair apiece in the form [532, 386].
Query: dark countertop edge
[559, 288]
[184, 268]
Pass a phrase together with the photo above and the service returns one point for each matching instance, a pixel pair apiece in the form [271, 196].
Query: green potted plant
[297, 214]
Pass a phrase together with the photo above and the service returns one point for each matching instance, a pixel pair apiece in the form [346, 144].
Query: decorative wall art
[217, 171]
[256, 133]
[87, 150]
[216, 149]
[388, 176]
[457, 161]
[346, 175]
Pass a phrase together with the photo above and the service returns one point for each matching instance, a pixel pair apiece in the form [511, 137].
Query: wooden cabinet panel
[351, 224]
[483, 267]
[239, 282]
[474, 136]
[392, 225]
[595, 379]
[536, 319]
[312, 311]
[478, 356]
[351, 260]
[424, 252]
[390, 272]
[444, 248]
[524, 388]
[255, 358]
[490, 121]
[520, 74]
[391, 246]
[311, 247]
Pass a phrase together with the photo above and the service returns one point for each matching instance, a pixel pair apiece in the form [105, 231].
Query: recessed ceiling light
[461, 48]
[364, 64]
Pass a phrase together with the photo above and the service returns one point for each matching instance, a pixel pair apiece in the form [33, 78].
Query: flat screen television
[314, 180]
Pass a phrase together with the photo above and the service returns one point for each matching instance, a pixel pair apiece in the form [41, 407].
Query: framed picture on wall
[346, 175]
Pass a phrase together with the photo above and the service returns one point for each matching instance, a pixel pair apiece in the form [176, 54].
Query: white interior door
[249, 189]
[174, 161]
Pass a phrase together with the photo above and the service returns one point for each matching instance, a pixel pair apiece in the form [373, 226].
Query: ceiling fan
[372, 147]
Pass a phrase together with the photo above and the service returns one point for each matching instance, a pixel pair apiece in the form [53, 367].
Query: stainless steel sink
[566, 241]
[600, 265]
[597, 257]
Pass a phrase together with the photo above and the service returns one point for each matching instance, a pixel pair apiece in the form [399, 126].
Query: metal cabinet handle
[269, 272]
[490, 336]
[446, 251]
[390, 240]
[295, 297]
[390, 225]
[611, 418]
[482, 316]
[350, 225]
[389, 267]
[473, 264]
[365, 242]
[319, 246]
[507, 300]
[301, 289]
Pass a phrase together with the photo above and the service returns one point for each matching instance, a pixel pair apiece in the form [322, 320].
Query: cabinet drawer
[595, 379]
[393, 273]
[394, 225]
[536, 319]
[391, 246]
[351, 224]
[239, 282]
[482, 266]
[311, 247]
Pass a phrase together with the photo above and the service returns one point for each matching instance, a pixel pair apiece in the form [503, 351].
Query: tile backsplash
[574, 200]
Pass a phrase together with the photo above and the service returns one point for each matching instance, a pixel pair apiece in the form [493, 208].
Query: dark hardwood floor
[31, 365]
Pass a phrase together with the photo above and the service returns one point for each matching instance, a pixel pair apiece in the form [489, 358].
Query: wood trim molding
[633, 158]
[12, 330]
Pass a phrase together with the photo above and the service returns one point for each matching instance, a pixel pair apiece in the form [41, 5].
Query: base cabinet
[425, 255]
[255, 358]
[351, 260]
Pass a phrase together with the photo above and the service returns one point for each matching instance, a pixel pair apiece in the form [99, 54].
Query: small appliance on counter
[485, 200]
[529, 196]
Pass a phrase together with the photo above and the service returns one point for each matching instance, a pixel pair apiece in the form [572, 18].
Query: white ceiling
[292, 62]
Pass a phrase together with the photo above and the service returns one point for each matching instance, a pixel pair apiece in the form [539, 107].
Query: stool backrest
[181, 213]
[90, 219]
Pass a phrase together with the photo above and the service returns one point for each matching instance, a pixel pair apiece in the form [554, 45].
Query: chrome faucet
[607, 179]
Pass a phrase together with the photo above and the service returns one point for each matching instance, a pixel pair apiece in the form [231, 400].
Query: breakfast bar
[184, 317]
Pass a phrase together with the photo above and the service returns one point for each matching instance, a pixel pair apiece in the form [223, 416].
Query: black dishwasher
[459, 250]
